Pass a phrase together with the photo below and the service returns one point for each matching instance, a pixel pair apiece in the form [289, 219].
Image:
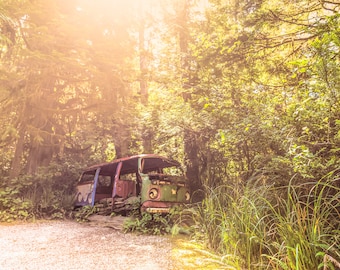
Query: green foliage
[259, 227]
[174, 222]
[12, 207]
[147, 223]
[81, 214]
[246, 95]
[47, 194]
[63, 91]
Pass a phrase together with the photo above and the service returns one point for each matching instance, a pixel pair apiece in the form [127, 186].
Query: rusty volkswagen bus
[153, 183]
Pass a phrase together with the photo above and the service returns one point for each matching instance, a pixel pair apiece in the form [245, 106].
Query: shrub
[12, 207]
[82, 214]
[157, 224]
[47, 194]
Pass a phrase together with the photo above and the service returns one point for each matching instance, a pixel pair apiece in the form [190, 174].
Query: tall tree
[191, 148]
[61, 78]
[251, 81]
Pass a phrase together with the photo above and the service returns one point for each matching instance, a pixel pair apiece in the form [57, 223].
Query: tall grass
[263, 227]
[306, 227]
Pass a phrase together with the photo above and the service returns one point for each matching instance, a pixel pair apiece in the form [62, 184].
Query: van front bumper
[157, 207]
[157, 210]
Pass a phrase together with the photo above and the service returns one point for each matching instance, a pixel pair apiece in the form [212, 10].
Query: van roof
[130, 164]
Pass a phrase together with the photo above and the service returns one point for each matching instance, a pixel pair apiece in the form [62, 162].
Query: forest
[245, 94]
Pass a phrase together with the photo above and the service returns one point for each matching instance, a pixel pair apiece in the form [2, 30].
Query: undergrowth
[46, 194]
[266, 227]
[83, 213]
[158, 224]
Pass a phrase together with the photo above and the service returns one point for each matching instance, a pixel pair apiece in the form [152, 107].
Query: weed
[158, 224]
[82, 214]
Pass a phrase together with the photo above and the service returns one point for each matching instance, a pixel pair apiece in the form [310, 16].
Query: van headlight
[187, 196]
[153, 193]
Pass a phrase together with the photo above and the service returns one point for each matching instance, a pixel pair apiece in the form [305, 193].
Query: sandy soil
[70, 245]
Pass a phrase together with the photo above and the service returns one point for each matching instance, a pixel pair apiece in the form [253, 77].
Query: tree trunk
[143, 83]
[191, 147]
[19, 149]
[143, 65]
[39, 156]
[191, 151]
[122, 141]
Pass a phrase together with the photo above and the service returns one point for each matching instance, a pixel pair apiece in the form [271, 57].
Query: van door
[125, 182]
[86, 188]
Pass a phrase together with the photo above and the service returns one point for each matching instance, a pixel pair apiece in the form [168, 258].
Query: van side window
[128, 177]
[104, 180]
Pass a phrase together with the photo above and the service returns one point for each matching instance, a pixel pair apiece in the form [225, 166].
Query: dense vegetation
[246, 94]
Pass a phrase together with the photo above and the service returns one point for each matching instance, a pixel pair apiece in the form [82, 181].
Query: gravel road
[70, 245]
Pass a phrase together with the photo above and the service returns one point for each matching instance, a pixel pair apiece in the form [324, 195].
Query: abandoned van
[152, 183]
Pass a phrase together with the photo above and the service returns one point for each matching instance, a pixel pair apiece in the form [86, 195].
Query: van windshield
[176, 171]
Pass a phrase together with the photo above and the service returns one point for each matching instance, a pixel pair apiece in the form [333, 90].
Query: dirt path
[70, 245]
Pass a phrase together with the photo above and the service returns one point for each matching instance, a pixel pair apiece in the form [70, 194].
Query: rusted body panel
[149, 177]
[125, 189]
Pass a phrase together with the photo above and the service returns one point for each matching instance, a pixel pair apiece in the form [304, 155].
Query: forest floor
[49, 245]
